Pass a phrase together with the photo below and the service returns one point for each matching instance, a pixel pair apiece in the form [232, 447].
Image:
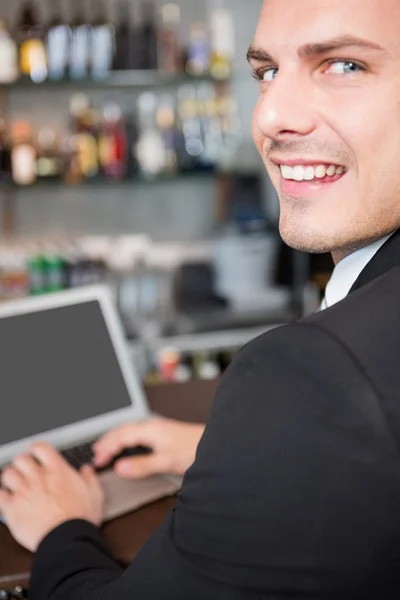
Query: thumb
[141, 466]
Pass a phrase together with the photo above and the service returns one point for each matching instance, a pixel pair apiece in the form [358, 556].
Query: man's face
[327, 122]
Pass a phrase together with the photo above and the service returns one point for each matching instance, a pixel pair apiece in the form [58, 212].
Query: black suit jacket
[295, 491]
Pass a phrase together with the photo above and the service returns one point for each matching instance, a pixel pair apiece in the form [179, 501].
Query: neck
[342, 253]
[338, 255]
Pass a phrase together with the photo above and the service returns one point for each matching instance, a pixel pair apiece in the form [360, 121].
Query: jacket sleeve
[290, 495]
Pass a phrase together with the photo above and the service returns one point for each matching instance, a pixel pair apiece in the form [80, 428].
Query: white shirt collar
[347, 271]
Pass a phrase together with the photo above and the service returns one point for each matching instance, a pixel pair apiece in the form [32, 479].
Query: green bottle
[37, 274]
[55, 270]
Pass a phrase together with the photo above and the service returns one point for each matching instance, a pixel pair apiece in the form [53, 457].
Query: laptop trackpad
[122, 496]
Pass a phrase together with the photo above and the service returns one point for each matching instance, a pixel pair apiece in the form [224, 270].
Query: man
[295, 490]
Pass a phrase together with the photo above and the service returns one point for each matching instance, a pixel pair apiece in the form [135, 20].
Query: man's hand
[41, 491]
[174, 446]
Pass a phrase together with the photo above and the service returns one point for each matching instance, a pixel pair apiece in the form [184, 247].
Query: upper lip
[292, 162]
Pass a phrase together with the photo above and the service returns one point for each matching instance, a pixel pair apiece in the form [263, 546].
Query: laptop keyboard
[82, 454]
[79, 455]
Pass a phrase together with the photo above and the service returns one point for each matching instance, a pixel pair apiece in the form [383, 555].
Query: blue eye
[344, 67]
[269, 74]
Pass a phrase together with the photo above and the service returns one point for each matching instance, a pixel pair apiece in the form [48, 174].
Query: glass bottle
[123, 59]
[48, 162]
[166, 121]
[169, 48]
[23, 154]
[5, 153]
[190, 139]
[147, 51]
[113, 144]
[150, 149]
[222, 44]
[81, 44]
[32, 50]
[103, 43]
[9, 70]
[198, 51]
[58, 40]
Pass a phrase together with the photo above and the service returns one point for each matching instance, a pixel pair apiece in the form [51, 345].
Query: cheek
[257, 134]
[362, 126]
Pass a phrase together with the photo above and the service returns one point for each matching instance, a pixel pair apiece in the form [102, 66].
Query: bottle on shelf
[228, 112]
[23, 154]
[168, 362]
[150, 149]
[5, 153]
[58, 40]
[113, 143]
[198, 50]
[190, 142]
[48, 160]
[125, 56]
[206, 366]
[81, 43]
[54, 270]
[212, 134]
[222, 44]
[169, 48]
[9, 69]
[32, 50]
[166, 121]
[85, 132]
[14, 281]
[72, 174]
[103, 42]
[36, 264]
[132, 133]
[147, 37]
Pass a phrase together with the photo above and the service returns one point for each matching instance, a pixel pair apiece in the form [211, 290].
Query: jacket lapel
[387, 257]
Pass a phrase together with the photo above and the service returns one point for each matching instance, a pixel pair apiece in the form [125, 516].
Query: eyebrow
[318, 48]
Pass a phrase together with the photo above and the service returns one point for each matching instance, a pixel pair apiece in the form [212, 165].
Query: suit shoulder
[292, 360]
[367, 320]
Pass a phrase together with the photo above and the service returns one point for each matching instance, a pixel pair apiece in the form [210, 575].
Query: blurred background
[126, 158]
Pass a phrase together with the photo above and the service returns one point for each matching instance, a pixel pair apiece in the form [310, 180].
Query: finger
[28, 467]
[48, 456]
[142, 466]
[113, 442]
[93, 483]
[13, 480]
[91, 478]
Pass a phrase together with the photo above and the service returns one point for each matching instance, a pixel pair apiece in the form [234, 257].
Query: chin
[305, 240]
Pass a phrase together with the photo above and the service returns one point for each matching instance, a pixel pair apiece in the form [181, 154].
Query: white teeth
[308, 173]
[320, 172]
[286, 171]
[331, 170]
[298, 173]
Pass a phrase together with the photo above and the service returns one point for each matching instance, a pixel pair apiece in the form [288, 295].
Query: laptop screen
[57, 367]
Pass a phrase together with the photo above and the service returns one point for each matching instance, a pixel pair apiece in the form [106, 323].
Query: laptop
[66, 379]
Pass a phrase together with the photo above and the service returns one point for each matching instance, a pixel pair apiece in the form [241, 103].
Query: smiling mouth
[311, 173]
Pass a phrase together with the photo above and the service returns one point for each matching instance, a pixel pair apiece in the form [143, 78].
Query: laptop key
[79, 455]
[83, 455]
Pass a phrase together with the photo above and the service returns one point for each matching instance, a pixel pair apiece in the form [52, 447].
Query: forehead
[290, 23]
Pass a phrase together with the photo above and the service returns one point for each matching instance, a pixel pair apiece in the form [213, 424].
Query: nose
[286, 110]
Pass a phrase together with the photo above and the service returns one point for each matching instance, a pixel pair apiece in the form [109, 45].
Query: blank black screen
[57, 367]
